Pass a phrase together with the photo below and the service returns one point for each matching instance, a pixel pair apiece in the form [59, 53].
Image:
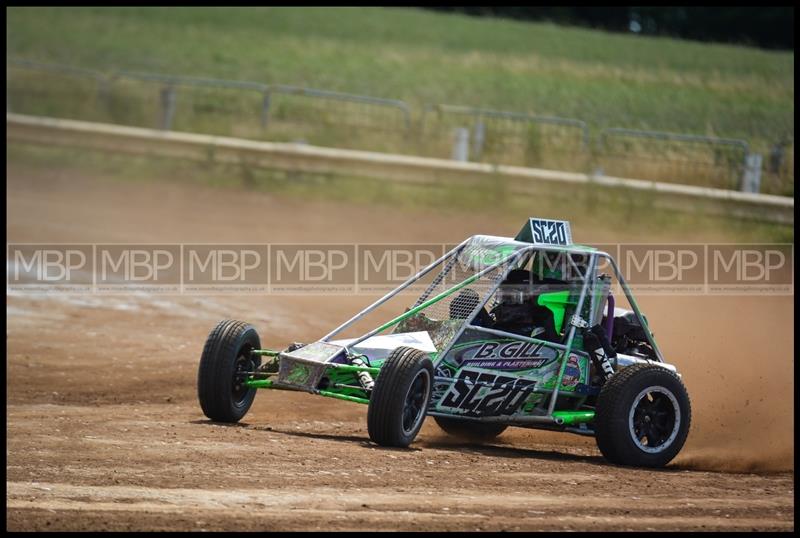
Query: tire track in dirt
[382, 508]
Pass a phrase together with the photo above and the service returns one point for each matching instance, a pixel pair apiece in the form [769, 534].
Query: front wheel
[224, 364]
[643, 416]
[399, 400]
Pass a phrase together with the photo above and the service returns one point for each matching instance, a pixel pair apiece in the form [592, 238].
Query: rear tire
[399, 400]
[469, 429]
[643, 416]
[222, 395]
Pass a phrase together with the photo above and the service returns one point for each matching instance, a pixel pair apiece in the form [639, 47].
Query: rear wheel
[399, 400]
[643, 416]
[470, 429]
[223, 365]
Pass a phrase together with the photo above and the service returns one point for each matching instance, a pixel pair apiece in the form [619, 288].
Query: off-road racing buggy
[506, 332]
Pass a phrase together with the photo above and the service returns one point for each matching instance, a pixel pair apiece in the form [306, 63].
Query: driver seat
[519, 310]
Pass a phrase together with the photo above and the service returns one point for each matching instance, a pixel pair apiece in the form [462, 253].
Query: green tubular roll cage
[342, 379]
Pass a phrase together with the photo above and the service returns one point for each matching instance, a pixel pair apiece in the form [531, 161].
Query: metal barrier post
[477, 139]
[167, 107]
[461, 144]
[751, 178]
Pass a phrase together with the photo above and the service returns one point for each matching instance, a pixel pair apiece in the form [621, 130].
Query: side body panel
[484, 375]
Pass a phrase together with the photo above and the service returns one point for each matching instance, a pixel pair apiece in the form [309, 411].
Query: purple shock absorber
[610, 317]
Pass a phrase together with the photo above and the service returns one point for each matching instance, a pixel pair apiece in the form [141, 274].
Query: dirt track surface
[105, 432]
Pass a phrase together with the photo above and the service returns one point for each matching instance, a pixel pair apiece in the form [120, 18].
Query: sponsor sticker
[515, 355]
[476, 393]
[572, 373]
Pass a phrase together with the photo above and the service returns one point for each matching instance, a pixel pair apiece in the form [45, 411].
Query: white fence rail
[304, 158]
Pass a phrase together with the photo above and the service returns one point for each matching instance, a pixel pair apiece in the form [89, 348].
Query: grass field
[607, 80]
[420, 56]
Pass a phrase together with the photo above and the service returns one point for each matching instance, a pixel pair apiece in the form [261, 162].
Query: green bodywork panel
[557, 302]
[504, 376]
[517, 373]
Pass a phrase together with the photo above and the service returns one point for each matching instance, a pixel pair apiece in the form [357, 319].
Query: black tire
[226, 352]
[469, 429]
[399, 400]
[643, 416]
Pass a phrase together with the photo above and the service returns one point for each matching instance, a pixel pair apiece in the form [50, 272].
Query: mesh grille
[443, 318]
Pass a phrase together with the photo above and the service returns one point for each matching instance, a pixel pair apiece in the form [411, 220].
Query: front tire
[399, 400]
[479, 432]
[226, 355]
[643, 416]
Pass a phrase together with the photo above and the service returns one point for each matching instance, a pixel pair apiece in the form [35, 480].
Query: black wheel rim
[415, 402]
[654, 419]
[243, 364]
